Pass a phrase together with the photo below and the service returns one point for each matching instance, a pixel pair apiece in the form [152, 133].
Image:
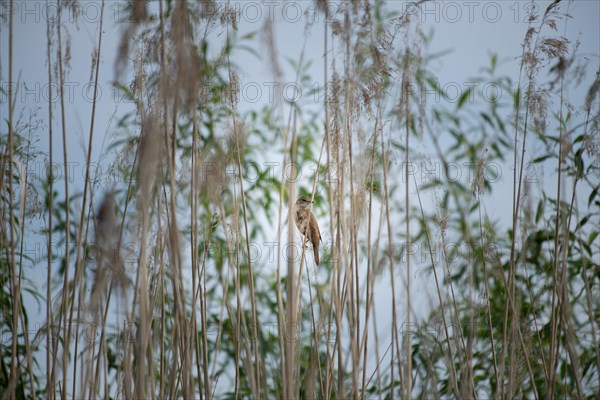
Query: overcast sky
[470, 30]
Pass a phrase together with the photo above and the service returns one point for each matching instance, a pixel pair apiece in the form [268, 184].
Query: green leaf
[249, 35]
[592, 237]
[540, 211]
[583, 221]
[487, 119]
[517, 98]
[463, 98]
[579, 163]
[540, 159]
[124, 91]
[593, 195]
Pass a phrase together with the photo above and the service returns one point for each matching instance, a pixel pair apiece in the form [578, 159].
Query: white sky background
[471, 30]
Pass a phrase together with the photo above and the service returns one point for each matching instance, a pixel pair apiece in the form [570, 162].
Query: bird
[307, 224]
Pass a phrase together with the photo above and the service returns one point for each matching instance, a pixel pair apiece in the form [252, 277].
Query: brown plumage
[307, 224]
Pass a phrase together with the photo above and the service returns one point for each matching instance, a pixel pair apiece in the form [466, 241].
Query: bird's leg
[305, 243]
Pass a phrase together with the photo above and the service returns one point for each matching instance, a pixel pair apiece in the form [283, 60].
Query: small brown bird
[307, 224]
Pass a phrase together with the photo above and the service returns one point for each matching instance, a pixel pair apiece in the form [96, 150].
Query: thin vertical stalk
[454, 307]
[370, 280]
[238, 319]
[207, 383]
[517, 184]
[281, 315]
[453, 379]
[487, 292]
[23, 189]
[163, 386]
[194, 250]
[251, 274]
[394, 334]
[65, 288]
[330, 362]
[181, 332]
[237, 135]
[554, 347]
[49, 322]
[515, 205]
[163, 317]
[352, 274]
[13, 268]
[584, 273]
[310, 390]
[292, 290]
[565, 305]
[407, 217]
[78, 258]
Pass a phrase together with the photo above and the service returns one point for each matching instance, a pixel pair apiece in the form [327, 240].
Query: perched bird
[307, 224]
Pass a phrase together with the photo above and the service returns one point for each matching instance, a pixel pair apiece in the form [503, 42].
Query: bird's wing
[316, 232]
